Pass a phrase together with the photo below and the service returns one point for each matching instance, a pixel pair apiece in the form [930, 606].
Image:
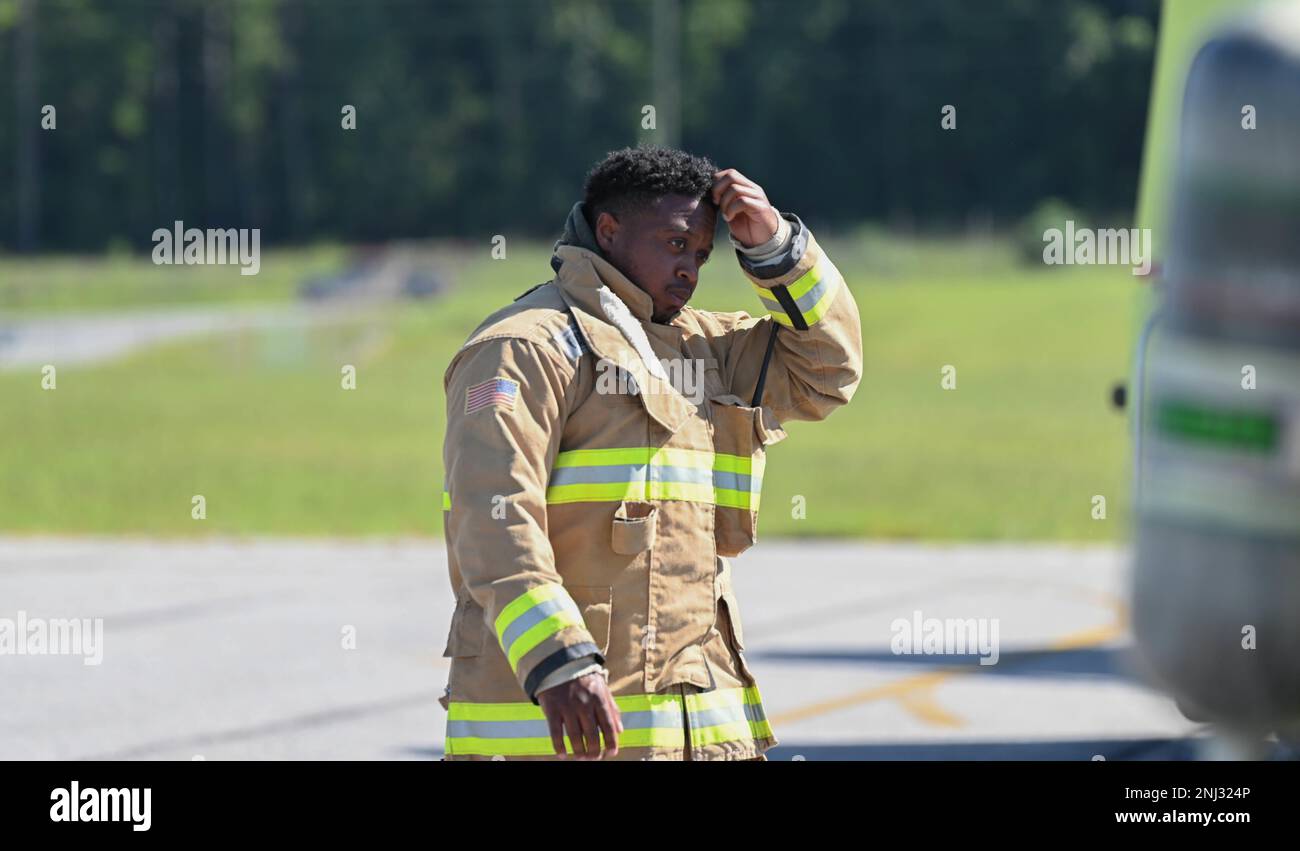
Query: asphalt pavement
[324, 649]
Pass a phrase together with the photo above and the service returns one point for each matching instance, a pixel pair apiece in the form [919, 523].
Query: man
[591, 500]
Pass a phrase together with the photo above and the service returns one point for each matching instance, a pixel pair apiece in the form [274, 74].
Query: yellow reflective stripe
[646, 486]
[765, 296]
[780, 317]
[648, 702]
[773, 306]
[618, 491]
[723, 697]
[527, 711]
[469, 745]
[730, 732]
[651, 737]
[685, 491]
[824, 271]
[736, 499]
[700, 459]
[461, 711]
[632, 736]
[721, 733]
[550, 600]
[602, 457]
[735, 463]
[526, 601]
[824, 303]
[540, 632]
[597, 492]
[732, 701]
[730, 704]
[801, 285]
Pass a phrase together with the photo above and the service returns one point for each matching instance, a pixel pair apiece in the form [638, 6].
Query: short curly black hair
[633, 178]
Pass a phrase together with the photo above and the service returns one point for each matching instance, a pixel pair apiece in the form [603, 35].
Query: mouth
[678, 296]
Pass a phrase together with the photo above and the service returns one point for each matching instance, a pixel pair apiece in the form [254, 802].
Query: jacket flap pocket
[730, 413]
[634, 527]
[768, 428]
[728, 599]
[465, 638]
[596, 604]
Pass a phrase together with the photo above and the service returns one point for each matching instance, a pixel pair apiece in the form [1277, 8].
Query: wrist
[770, 247]
[570, 671]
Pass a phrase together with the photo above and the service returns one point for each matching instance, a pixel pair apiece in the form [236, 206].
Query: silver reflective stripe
[727, 715]
[808, 300]
[597, 475]
[735, 481]
[689, 475]
[611, 473]
[532, 617]
[669, 717]
[717, 715]
[498, 729]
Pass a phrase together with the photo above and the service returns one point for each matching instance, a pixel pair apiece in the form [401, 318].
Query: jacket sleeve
[506, 407]
[816, 362]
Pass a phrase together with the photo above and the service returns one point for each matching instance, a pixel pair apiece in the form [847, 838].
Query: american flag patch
[495, 391]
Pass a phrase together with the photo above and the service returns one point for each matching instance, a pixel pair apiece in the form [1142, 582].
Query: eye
[704, 257]
[678, 242]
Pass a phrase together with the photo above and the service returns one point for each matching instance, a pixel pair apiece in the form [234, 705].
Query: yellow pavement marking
[923, 705]
[914, 693]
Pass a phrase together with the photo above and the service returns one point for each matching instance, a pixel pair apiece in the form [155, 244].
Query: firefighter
[589, 520]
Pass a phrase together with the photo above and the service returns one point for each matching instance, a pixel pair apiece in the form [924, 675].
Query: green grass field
[258, 424]
[30, 286]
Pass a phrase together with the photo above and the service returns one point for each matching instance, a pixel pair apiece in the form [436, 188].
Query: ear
[607, 228]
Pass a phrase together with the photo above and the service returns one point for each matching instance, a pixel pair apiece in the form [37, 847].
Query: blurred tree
[481, 116]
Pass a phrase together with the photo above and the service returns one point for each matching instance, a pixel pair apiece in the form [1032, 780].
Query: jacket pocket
[465, 638]
[733, 616]
[634, 527]
[741, 435]
[596, 602]
[735, 634]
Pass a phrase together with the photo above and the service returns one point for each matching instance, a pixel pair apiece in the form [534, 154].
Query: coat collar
[610, 310]
[581, 249]
[582, 271]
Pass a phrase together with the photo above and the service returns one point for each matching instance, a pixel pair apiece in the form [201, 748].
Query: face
[661, 248]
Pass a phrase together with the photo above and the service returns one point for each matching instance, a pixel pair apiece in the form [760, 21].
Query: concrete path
[90, 338]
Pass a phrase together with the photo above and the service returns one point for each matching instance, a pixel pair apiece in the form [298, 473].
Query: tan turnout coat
[600, 469]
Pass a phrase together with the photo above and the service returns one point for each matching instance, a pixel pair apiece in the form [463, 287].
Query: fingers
[586, 733]
[585, 714]
[737, 191]
[618, 713]
[573, 725]
[744, 205]
[610, 723]
[556, 724]
[725, 179]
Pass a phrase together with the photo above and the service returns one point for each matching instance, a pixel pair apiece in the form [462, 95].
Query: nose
[688, 273]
